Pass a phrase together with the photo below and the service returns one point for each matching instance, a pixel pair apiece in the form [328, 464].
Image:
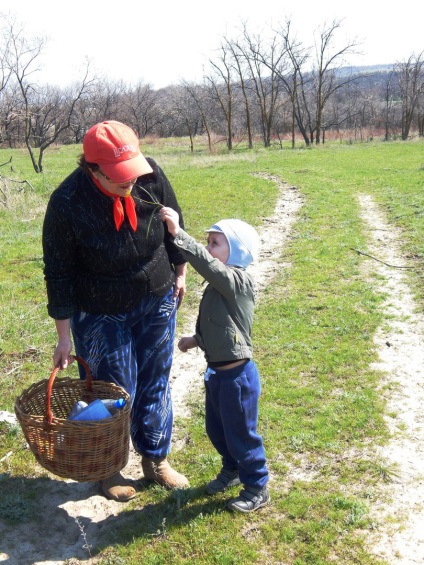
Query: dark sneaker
[225, 479]
[249, 499]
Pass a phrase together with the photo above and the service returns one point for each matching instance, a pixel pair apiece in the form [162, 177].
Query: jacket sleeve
[226, 280]
[59, 259]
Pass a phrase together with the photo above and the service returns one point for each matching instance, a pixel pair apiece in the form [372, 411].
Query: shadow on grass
[44, 519]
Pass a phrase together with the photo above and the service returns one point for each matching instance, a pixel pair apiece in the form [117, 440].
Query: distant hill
[364, 70]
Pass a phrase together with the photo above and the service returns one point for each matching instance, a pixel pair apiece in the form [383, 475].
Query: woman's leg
[135, 351]
[151, 424]
[153, 331]
[106, 344]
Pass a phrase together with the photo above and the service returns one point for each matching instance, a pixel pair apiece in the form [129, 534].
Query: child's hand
[186, 343]
[171, 218]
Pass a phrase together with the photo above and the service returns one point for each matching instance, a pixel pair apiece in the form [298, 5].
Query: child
[223, 331]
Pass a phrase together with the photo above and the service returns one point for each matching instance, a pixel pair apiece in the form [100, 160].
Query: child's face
[218, 246]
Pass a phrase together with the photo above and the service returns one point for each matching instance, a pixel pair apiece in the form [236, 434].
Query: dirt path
[74, 514]
[401, 350]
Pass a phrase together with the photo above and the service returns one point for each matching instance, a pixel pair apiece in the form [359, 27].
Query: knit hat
[116, 149]
[243, 241]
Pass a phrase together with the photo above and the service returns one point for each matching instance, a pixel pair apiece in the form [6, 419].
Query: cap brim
[127, 170]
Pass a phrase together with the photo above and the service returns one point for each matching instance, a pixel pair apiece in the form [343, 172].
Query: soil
[75, 515]
[401, 352]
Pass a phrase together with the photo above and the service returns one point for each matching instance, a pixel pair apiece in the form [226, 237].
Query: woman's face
[117, 188]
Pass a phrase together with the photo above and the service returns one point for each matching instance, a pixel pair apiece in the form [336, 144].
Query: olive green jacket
[224, 323]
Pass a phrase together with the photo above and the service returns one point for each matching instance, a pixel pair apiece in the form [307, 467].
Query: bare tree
[198, 96]
[255, 86]
[310, 89]
[288, 70]
[22, 61]
[53, 114]
[106, 100]
[221, 83]
[264, 81]
[10, 110]
[288, 67]
[420, 119]
[142, 108]
[183, 117]
[411, 82]
[389, 103]
[326, 79]
[241, 65]
[45, 111]
[5, 47]
[87, 112]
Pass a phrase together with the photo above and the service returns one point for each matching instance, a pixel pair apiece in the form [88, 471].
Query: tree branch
[380, 261]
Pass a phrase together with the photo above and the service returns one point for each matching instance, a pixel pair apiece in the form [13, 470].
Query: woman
[115, 280]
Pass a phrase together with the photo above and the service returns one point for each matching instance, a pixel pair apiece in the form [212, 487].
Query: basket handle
[88, 381]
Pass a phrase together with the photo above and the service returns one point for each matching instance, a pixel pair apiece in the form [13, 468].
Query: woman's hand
[186, 343]
[180, 282]
[62, 354]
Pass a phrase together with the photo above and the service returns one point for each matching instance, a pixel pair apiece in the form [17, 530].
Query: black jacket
[92, 267]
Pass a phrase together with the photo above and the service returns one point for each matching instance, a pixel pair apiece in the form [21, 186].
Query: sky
[165, 41]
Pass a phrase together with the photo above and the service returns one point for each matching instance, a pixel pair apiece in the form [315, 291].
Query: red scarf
[118, 209]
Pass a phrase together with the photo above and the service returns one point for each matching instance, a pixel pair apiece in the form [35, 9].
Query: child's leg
[233, 396]
[214, 428]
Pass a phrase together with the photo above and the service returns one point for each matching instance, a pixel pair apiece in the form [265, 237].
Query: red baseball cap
[116, 149]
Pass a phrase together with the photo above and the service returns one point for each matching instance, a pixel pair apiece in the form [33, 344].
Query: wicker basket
[83, 451]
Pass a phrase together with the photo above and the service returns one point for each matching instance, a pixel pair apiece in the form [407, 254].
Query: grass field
[312, 335]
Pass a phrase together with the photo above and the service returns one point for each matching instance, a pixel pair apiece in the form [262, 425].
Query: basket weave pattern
[83, 451]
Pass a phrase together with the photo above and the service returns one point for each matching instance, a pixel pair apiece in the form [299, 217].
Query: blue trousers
[134, 350]
[231, 420]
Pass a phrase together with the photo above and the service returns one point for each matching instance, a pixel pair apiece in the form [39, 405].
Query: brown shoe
[160, 470]
[117, 488]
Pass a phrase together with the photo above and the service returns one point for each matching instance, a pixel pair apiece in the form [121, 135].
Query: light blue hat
[243, 241]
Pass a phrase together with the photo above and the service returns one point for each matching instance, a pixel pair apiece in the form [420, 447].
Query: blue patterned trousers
[134, 350]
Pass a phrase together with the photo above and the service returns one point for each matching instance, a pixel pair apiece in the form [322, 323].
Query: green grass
[313, 337]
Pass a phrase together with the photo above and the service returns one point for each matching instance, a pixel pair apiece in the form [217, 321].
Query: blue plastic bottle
[114, 405]
[96, 410]
[77, 408]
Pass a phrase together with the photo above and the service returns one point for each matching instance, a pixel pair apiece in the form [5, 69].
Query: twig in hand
[154, 202]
